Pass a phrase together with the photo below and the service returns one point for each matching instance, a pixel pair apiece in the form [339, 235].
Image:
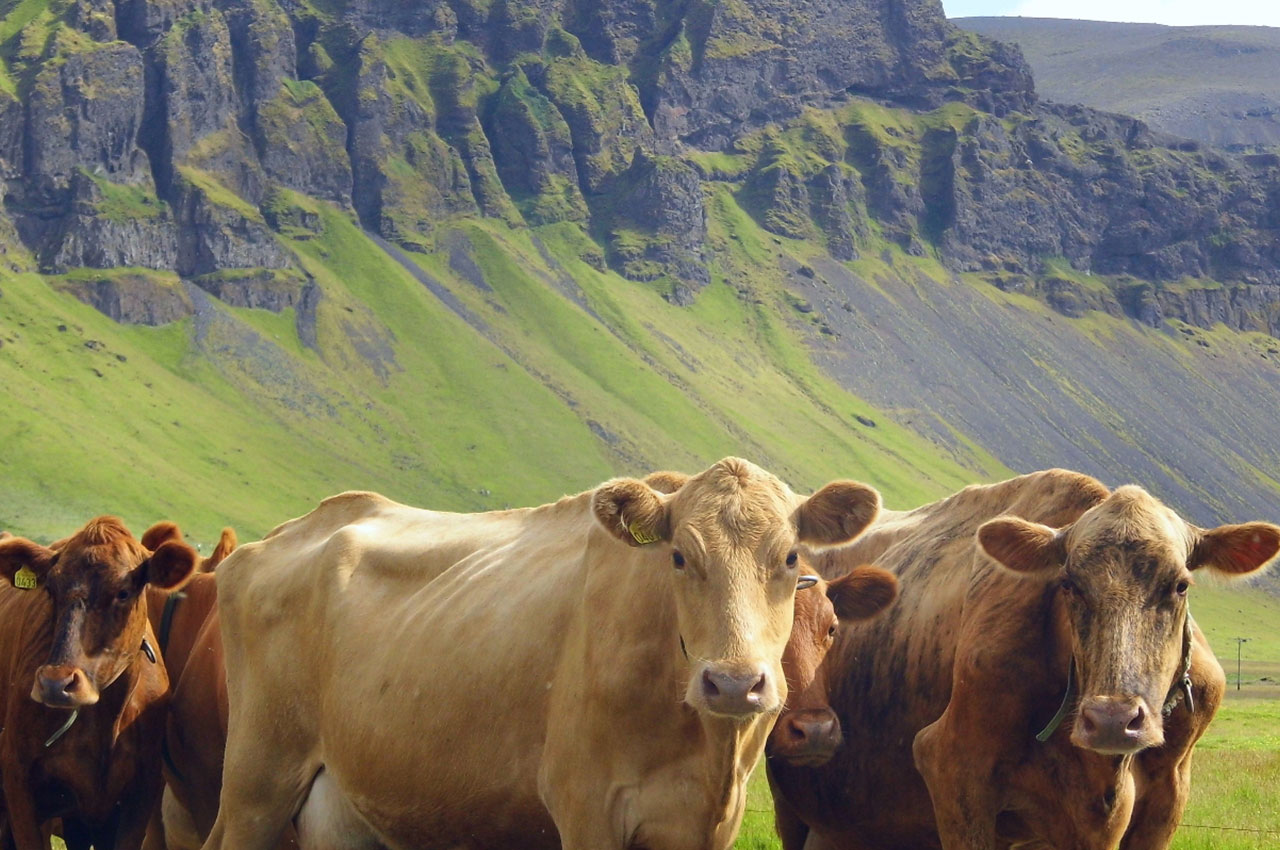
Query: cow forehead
[104, 547]
[1130, 527]
[734, 504]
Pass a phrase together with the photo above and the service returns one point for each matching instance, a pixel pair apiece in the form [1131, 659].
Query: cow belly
[327, 821]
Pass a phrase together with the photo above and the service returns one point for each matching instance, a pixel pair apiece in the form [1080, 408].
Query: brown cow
[1005, 589]
[82, 693]
[186, 624]
[597, 673]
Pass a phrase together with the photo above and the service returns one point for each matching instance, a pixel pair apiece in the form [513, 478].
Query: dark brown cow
[83, 699]
[1006, 588]
[808, 731]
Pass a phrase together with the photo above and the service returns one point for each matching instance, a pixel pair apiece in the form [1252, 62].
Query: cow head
[1123, 572]
[808, 732]
[95, 580]
[730, 536]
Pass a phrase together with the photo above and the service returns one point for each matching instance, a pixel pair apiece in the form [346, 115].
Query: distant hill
[1219, 85]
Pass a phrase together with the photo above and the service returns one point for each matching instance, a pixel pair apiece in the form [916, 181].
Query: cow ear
[666, 481]
[226, 545]
[161, 532]
[1022, 546]
[863, 593]
[632, 511]
[170, 565]
[1236, 549]
[837, 513]
[17, 553]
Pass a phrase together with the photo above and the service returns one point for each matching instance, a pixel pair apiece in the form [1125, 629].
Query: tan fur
[506, 679]
[971, 662]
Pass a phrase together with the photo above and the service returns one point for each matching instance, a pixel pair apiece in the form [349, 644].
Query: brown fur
[808, 731]
[971, 662]
[841, 510]
[107, 762]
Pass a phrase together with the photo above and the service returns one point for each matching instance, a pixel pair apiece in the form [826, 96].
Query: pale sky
[1174, 12]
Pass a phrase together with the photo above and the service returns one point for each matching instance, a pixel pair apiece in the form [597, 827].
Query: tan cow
[599, 672]
[808, 731]
[1005, 589]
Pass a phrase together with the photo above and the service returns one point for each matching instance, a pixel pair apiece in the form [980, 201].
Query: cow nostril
[796, 732]
[758, 687]
[709, 686]
[1089, 726]
[1136, 722]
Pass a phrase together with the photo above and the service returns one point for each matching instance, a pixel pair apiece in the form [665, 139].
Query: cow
[1039, 682]
[598, 672]
[82, 690]
[186, 625]
[808, 731]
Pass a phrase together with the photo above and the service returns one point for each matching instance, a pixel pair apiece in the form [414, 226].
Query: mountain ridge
[662, 232]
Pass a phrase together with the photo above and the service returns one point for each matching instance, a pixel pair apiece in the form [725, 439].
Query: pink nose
[808, 737]
[734, 693]
[63, 687]
[1113, 725]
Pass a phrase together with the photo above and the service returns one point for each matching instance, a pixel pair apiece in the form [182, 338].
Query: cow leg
[155, 839]
[791, 829]
[24, 825]
[958, 782]
[133, 813]
[1158, 810]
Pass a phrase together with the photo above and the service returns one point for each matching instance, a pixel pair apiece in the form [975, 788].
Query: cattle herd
[1014, 665]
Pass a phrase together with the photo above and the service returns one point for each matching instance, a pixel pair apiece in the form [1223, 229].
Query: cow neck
[132, 671]
[1180, 689]
[728, 741]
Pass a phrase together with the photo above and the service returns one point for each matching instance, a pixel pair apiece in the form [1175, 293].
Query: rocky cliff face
[169, 134]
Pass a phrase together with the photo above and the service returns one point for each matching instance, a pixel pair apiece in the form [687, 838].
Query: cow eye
[1181, 588]
[791, 559]
[678, 560]
[123, 596]
[1070, 587]
[831, 632]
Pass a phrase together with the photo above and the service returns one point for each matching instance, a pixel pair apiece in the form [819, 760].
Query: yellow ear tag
[25, 579]
[641, 536]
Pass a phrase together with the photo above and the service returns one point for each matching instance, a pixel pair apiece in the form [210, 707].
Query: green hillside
[558, 377]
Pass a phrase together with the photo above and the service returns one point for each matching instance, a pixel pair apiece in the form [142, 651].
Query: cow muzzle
[1116, 725]
[734, 691]
[806, 737]
[63, 687]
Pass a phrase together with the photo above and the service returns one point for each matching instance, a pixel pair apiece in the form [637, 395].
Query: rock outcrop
[162, 134]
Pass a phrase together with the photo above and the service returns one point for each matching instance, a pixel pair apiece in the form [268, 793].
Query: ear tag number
[25, 579]
[642, 537]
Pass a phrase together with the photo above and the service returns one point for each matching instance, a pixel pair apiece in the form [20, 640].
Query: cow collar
[1182, 688]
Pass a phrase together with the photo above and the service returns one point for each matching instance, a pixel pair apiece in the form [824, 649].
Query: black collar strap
[166, 618]
[1181, 688]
